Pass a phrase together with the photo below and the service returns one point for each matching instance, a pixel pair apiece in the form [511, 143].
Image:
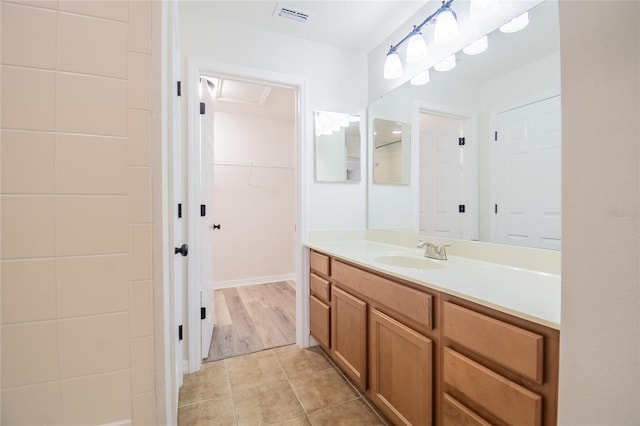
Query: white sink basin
[414, 262]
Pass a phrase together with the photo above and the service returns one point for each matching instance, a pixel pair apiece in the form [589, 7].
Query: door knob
[183, 250]
[214, 226]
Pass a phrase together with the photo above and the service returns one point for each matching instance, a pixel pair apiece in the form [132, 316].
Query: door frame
[493, 120]
[195, 68]
[470, 185]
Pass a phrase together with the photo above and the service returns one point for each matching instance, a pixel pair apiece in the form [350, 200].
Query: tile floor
[282, 386]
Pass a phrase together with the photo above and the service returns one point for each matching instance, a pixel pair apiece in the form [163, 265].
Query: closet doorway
[251, 128]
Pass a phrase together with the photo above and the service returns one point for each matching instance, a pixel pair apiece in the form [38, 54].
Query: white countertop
[527, 294]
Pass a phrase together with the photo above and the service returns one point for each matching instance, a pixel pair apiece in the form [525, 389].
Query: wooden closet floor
[253, 318]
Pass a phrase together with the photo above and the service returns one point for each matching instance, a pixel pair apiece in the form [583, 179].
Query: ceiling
[356, 25]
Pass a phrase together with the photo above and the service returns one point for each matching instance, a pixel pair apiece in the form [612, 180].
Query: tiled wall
[76, 294]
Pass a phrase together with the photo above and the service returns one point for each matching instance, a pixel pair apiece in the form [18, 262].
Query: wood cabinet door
[319, 321]
[401, 371]
[349, 335]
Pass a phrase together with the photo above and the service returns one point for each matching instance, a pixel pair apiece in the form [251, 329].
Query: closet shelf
[283, 165]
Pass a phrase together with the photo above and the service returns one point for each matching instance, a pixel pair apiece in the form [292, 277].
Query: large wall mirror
[337, 143]
[486, 143]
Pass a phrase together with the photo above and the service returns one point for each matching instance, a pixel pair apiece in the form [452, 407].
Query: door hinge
[179, 210]
[203, 313]
[202, 108]
[495, 208]
[461, 208]
[203, 210]
[461, 141]
[179, 88]
[495, 136]
[180, 332]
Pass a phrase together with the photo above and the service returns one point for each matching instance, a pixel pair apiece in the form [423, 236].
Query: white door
[528, 166]
[205, 224]
[441, 191]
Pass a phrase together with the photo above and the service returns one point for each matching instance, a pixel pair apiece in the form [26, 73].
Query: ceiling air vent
[287, 12]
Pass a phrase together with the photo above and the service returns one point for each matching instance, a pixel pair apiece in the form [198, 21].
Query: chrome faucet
[433, 251]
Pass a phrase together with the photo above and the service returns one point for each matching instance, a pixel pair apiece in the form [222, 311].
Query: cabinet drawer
[319, 263]
[512, 347]
[320, 287]
[411, 305]
[456, 414]
[503, 398]
[320, 321]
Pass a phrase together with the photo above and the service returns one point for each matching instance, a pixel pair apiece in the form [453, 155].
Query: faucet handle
[442, 253]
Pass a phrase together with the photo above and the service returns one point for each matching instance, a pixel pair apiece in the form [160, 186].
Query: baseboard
[185, 366]
[254, 281]
[118, 423]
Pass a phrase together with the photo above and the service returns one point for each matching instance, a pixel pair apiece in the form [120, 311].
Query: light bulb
[516, 24]
[421, 79]
[477, 46]
[416, 48]
[446, 65]
[446, 29]
[392, 66]
[480, 10]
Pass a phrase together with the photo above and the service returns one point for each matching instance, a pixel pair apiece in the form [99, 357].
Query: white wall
[599, 338]
[254, 205]
[337, 81]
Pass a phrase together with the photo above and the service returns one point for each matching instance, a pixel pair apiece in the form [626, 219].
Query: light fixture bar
[445, 5]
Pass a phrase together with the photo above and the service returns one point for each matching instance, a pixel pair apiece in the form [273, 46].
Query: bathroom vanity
[456, 342]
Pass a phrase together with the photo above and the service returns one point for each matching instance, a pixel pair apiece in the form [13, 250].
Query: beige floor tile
[350, 413]
[321, 389]
[253, 370]
[273, 403]
[208, 383]
[298, 421]
[299, 362]
[218, 411]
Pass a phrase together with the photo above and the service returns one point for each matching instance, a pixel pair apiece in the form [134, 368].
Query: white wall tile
[101, 161]
[91, 345]
[28, 98]
[27, 162]
[91, 105]
[144, 409]
[142, 365]
[92, 46]
[97, 400]
[139, 72]
[29, 353]
[27, 226]
[88, 225]
[139, 194]
[139, 137]
[28, 290]
[28, 36]
[32, 405]
[141, 308]
[140, 252]
[92, 285]
[140, 26]
[109, 9]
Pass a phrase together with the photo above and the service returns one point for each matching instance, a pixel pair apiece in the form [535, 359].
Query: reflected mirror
[486, 135]
[391, 152]
[337, 143]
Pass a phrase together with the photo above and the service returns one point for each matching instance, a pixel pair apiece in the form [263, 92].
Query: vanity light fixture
[446, 29]
[421, 79]
[516, 24]
[480, 10]
[393, 64]
[477, 46]
[447, 65]
[416, 48]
